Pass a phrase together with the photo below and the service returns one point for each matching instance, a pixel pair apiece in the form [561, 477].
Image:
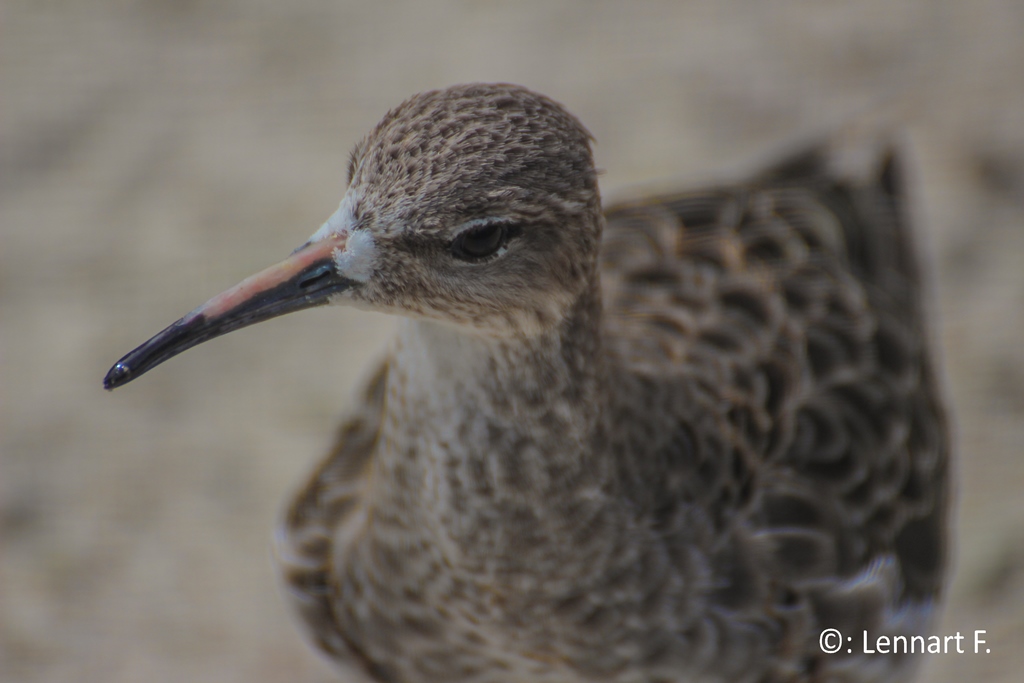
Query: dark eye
[480, 242]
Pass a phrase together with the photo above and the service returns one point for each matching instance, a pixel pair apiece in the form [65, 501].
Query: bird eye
[480, 242]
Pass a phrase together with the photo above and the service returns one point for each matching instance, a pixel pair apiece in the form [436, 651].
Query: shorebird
[685, 439]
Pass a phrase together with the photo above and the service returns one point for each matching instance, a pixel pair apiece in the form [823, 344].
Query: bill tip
[116, 376]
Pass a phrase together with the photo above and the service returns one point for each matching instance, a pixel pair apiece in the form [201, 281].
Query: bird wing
[308, 533]
[788, 311]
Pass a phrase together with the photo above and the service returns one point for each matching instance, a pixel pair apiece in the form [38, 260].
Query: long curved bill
[305, 279]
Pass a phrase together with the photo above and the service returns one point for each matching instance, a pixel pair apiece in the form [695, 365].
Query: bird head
[475, 206]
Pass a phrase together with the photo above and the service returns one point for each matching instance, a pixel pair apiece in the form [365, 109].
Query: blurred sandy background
[153, 153]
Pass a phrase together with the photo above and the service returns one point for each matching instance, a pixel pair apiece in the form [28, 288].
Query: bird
[682, 439]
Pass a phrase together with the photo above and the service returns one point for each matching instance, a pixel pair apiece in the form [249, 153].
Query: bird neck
[475, 425]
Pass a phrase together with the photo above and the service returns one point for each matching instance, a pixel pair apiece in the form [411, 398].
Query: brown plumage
[670, 442]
